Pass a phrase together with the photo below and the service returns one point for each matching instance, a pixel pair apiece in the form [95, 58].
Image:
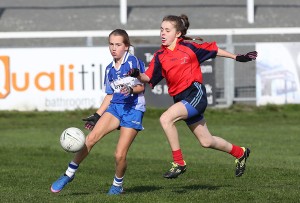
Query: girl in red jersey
[178, 61]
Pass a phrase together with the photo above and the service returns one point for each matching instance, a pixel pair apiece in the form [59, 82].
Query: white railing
[150, 33]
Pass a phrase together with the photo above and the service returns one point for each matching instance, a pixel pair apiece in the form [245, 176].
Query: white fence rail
[150, 33]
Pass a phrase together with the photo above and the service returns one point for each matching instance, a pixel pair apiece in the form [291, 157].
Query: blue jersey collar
[125, 58]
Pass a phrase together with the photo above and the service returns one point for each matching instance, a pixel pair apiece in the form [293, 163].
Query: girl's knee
[91, 140]
[206, 143]
[119, 157]
[164, 119]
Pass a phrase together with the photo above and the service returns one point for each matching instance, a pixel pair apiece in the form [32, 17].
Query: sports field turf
[31, 159]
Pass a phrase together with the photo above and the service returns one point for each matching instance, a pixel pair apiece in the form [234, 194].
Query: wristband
[97, 115]
[130, 90]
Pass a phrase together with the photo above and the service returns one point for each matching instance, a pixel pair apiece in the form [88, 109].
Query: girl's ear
[178, 34]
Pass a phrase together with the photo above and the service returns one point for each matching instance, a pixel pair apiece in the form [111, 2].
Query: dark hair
[123, 33]
[181, 24]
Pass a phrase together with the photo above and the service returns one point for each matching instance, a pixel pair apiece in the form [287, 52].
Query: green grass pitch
[31, 159]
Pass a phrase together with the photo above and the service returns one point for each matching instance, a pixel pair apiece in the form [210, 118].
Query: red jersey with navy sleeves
[180, 67]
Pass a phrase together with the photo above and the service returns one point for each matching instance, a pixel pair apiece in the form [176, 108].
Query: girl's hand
[134, 72]
[246, 57]
[126, 90]
[91, 121]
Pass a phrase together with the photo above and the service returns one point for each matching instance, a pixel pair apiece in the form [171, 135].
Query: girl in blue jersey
[122, 108]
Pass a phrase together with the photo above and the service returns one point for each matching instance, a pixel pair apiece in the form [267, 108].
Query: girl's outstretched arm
[226, 54]
[250, 56]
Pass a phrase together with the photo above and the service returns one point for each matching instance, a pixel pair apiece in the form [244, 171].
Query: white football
[72, 139]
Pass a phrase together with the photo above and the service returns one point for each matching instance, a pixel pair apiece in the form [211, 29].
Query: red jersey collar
[177, 42]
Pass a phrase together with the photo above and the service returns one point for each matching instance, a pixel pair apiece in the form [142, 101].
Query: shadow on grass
[141, 189]
[187, 188]
[79, 193]
[183, 189]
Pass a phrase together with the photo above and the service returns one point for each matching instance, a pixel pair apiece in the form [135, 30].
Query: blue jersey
[115, 78]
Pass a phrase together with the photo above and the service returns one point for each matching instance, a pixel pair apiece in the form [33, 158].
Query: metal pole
[123, 11]
[89, 41]
[229, 73]
[250, 11]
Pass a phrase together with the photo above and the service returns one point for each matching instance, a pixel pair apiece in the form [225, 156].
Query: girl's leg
[176, 112]
[207, 140]
[167, 120]
[127, 136]
[105, 125]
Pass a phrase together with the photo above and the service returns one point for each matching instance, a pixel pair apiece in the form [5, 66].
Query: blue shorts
[195, 100]
[128, 116]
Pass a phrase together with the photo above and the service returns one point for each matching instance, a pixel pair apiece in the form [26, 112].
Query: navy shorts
[195, 100]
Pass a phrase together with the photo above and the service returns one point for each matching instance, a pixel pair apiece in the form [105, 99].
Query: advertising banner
[277, 74]
[52, 79]
[158, 96]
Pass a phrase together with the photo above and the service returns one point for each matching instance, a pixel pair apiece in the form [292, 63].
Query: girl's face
[168, 34]
[117, 47]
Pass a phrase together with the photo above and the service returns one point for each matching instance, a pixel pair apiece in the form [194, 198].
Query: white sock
[118, 181]
[71, 169]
